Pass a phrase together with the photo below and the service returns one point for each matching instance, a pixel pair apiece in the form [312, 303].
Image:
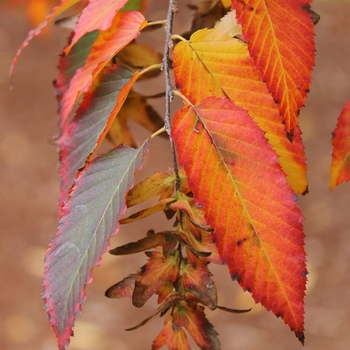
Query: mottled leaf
[87, 221]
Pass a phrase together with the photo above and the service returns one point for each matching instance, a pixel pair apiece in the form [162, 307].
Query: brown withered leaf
[139, 56]
[122, 289]
[156, 208]
[207, 13]
[119, 133]
[146, 243]
[157, 271]
[232, 311]
[137, 108]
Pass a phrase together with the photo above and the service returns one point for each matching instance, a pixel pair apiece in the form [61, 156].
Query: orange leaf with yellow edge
[97, 15]
[340, 168]
[174, 338]
[125, 27]
[235, 175]
[213, 63]
[65, 5]
[280, 37]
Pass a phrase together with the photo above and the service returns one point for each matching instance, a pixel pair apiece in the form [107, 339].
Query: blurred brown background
[29, 190]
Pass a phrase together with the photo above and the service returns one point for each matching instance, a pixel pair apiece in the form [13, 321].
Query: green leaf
[87, 221]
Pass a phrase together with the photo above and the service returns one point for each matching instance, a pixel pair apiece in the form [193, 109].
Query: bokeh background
[29, 190]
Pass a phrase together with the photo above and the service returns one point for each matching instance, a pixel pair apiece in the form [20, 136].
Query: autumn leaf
[69, 64]
[340, 168]
[195, 322]
[92, 121]
[146, 243]
[280, 39]
[122, 289]
[154, 274]
[97, 15]
[65, 5]
[125, 27]
[258, 226]
[159, 184]
[197, 283]
[175, 339]
[87, 221]
[220, 65]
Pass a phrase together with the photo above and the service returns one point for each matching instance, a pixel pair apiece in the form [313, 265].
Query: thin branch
[168, 88]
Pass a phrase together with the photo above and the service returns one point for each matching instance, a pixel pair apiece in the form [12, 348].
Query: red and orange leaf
[175, 339]
[122, 289]
[97, 15]
[125, 27]
[213, 63]
[197, 325]
[154, 274]
[87, 221]
[80, 138]
[340, 168]
[65, 5]
[280, 37]
[235, 175]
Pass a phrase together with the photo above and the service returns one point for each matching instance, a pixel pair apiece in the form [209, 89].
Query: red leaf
[65, 4]
[98, 14]
[125, 27]
[92, 121]
[280, 39]
[88, 219]
[235, 175]
[340, 168]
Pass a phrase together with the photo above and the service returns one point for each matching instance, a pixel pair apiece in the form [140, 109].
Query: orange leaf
[175, 339]
[195, 322]
[280, 39]
[340, 168]
[235, 175]
[98, 14]
[125, 27]
[65, 4]
[215, 63]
